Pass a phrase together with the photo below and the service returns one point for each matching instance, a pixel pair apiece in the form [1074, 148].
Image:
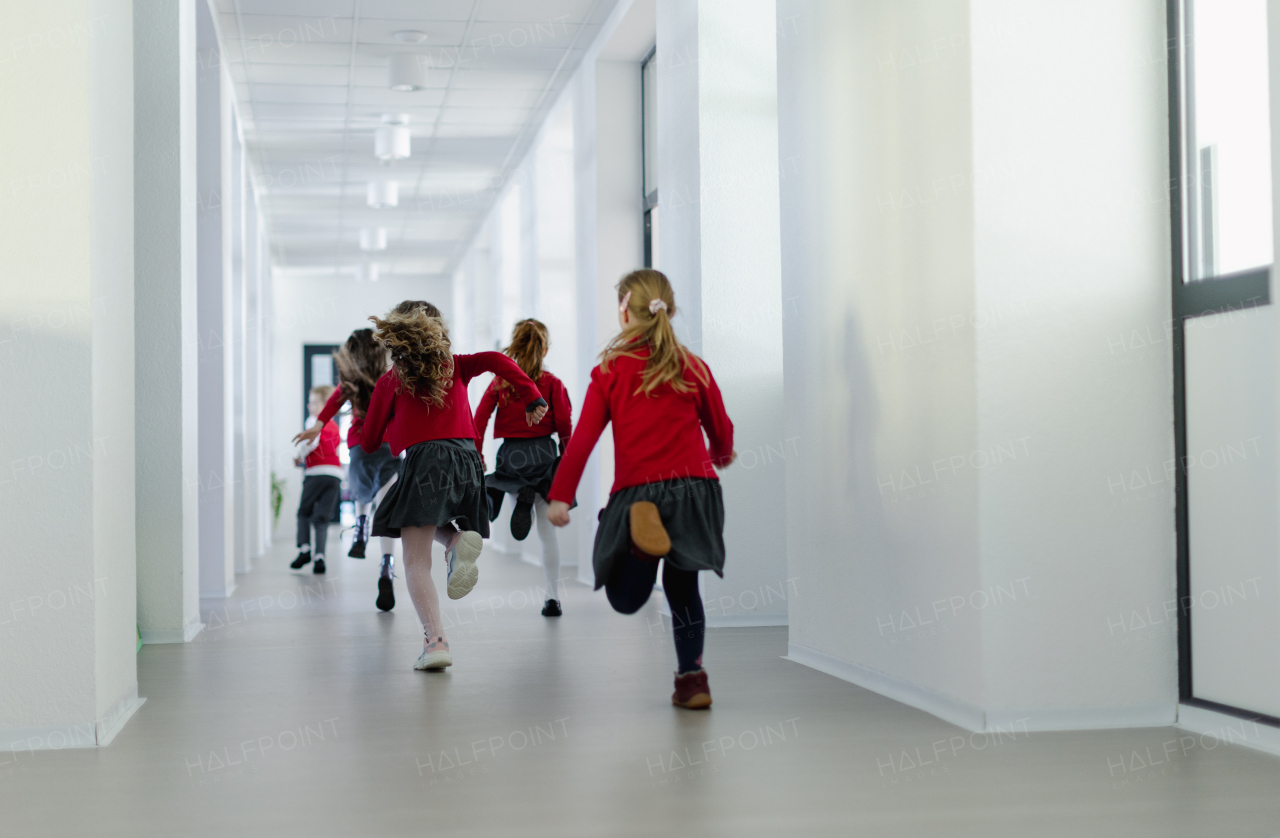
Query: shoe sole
[433, 661]
[521, 521]
[701, 701]
[647, 532]
[386, 594]
[465, 573]
[353, 553]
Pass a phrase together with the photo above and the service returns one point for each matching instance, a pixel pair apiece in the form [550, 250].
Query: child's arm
[484, 410]
[469, 366]
[715, 420]
[336, 399]
[591, 423]
[378, 416]
[563, 412]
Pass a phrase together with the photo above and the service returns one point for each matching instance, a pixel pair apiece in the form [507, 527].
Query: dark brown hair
[361, 362]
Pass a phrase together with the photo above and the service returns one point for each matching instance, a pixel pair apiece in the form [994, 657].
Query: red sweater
[326, 451]
[656, 437]
[406, 419]
[510, 421]
[331, 408]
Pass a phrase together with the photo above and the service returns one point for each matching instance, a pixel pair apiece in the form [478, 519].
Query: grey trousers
[320, 495]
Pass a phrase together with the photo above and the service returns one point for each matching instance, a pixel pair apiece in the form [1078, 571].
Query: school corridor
[983, 288]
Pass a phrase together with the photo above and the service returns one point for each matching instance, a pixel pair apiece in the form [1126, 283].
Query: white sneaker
[435, 659]
[461, 557]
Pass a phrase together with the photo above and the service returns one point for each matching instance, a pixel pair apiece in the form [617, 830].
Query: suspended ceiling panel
[311, 82]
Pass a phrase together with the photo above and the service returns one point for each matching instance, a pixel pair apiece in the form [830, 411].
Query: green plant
[277, 497]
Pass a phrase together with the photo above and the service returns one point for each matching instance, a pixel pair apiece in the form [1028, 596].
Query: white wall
[959, 241]
[67, 303]
[324, 310]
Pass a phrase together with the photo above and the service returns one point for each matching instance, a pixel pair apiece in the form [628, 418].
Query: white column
[217, 568]
[67, 351]
[255, 456]
[165, 207]
[720, 245]
[234, 236]
[529, 278]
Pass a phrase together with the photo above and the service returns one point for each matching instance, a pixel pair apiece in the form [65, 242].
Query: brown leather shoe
[692, 691]
[648, 536]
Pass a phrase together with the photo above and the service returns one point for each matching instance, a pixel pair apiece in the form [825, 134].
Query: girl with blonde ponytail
[665, 502]
[528, 457]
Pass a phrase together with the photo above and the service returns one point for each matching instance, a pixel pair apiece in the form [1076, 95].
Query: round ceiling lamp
[373, 238]
[410, 36]
[391, 141]
[407, 72]
[383, 194]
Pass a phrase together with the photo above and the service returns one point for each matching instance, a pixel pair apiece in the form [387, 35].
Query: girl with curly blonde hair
[420, 407]
[666, 501]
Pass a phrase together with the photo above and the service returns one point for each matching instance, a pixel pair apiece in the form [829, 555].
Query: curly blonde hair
[668, 357]
[420, 351]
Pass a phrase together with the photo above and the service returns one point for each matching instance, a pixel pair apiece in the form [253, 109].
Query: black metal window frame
[1196, 298]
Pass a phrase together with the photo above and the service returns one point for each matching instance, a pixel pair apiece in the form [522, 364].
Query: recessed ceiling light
[410, 36]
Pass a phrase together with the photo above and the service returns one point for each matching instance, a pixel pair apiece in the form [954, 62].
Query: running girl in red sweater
[666, 501]
[420, 406]
[528, 456]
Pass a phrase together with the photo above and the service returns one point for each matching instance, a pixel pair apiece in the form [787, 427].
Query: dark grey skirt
[692, 510]
[440, 480]
[525, 462]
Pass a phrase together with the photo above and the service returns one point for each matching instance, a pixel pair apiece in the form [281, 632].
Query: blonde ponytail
[650, 304]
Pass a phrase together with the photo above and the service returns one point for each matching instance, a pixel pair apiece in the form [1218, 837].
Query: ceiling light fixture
[408, 71]
[383, 194]
[373, 238]
[410, 36]
[367, 272]
[391, 141]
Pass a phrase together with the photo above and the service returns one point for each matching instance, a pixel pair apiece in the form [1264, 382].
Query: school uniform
[321, 487]
[441, 476]
[660, 455]
[528, 455]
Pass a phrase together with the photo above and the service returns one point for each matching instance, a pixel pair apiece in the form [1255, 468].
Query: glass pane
[321, 370]
[1229, 134]
[650, 106]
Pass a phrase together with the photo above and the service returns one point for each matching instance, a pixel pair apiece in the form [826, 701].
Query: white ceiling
[311, 84]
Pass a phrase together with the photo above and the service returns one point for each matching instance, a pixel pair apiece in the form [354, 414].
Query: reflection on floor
[296, 712]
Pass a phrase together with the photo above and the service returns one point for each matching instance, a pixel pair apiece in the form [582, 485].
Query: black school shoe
[304, 558]
[361, 538]
[522, 515]
[318, 567]
[386, 589]
[552, 608]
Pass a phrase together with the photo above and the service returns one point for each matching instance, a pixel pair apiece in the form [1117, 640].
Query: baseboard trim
[95, 734]
[231, 589]
[1228, 729]
[953, 710]
[1093, 718]
[186, 635]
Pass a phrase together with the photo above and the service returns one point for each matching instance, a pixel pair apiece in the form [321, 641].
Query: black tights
[629, 586]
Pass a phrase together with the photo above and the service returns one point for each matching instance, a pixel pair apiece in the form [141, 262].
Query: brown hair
[529, 344]
[420, 350]
[361, 362]
[668, 358]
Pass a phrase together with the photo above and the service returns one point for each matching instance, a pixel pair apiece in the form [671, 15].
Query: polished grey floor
[297, 713]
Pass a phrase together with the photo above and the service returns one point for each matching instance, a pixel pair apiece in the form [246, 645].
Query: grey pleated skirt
[440, 480]
[692, 510]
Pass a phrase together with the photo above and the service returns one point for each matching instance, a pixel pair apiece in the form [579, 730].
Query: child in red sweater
[321, 484]
[528, 456]
[420, 406]
[666, 501]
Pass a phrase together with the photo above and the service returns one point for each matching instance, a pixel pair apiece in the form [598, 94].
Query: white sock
[364, 509]
[388, 545]
[550, 548]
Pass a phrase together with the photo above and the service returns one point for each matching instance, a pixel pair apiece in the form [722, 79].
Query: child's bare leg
[446, 534]
[416, 542]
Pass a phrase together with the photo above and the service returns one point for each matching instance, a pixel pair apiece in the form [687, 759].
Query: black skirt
[692, 510]
[524, 462]
[440, 480]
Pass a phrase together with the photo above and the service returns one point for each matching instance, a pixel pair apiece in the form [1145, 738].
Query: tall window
[1226, 138]
[649, 153]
